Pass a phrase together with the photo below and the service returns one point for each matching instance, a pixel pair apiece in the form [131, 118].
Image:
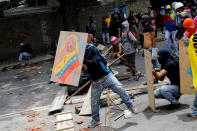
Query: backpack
[134, 34]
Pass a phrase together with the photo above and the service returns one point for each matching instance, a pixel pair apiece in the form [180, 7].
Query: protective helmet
[178, 5]
[195, 22]
[114, 39]
[167, 7]
[188, 23]
[173, 5]
[22, 44]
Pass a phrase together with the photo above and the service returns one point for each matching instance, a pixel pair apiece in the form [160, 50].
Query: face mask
[161, 60]
[177, 13]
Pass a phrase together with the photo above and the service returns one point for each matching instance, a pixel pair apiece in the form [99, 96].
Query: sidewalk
[32, 61]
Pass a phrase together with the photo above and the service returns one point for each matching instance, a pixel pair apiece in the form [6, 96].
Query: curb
[15, 66]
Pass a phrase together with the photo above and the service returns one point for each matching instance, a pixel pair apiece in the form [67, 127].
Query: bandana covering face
[164, 58]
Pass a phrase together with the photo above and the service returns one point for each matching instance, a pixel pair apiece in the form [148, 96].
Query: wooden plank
[63, 113]
[64, 125]
[149, 79]
[184, 65]
[64, 121]
[146, 86]
[59, 100]
[64, 117]
[86, 108]
[142, 87]
[127, 74]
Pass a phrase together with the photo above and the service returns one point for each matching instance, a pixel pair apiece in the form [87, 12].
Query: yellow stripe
[61, 65]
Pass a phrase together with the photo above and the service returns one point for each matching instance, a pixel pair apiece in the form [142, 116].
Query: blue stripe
[68, 64]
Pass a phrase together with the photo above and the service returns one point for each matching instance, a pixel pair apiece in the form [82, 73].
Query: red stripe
[69, 70]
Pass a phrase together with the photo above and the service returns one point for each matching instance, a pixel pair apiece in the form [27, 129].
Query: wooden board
[63, 117]
[64, 122]
[149, 79]
[69, 58]
[86, 108]
[141, 87]
[59, 100]
[185, 69]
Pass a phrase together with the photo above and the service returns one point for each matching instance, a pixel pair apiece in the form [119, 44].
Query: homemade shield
[69, 58]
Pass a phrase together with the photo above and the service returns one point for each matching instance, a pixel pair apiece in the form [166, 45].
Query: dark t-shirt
[173, 73]
[26, 48]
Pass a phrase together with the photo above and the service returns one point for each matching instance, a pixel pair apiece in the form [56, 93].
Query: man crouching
[169, 68]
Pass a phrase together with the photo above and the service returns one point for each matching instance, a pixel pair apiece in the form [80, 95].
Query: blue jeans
[195, 102]
[168, 43]
[24, 55]
[111, 82]
[169, 92]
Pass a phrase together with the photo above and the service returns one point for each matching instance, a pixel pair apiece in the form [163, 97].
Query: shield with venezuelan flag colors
[69, 58]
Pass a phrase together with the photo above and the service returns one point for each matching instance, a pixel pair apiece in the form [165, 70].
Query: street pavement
[26, 95]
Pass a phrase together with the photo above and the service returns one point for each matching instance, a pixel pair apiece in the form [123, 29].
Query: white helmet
[173, 5]
[178, 5]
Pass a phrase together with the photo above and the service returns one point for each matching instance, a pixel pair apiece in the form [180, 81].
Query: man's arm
[132, 38]
[160, 75]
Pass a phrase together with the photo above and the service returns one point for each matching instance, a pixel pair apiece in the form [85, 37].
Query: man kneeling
[102, 78]
[169, 68]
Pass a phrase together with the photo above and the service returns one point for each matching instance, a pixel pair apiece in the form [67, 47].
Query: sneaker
[193, 113]
[94, 124]
[138, 75]
[132, 109]
[173, 106]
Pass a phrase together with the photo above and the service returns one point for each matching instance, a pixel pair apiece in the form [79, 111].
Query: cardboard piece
[149, 79]
[69, 58]
[185, 69]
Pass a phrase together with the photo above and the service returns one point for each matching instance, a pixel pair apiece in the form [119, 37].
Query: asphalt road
[27, 91]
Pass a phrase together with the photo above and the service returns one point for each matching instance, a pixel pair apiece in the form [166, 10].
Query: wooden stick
[107, 50]
[141, 87]
[77, 91]
[120, 108]
[108, 105]
[115, 60]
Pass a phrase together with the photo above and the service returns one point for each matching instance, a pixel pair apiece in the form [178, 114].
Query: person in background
[148, 32]
[25, 52]
[105, 30]
[152, 15]
[192, 52]
[188, 24]
[91, 26]
[117, 50]
[178, 9]
[141, 37]
[129, 45]
[115, 26]
[169, 68]
[133, 23]
[170, 30]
